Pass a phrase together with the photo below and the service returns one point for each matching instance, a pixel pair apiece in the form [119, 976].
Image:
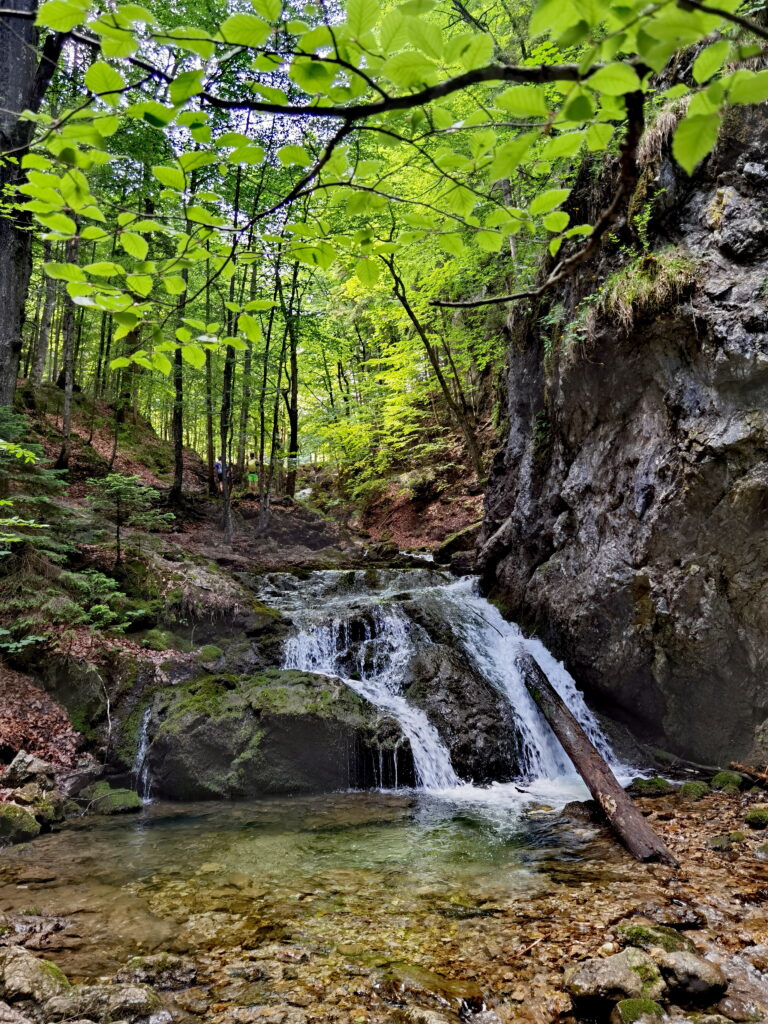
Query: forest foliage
[283, 228]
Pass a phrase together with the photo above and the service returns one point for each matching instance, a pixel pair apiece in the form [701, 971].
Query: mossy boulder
[24, 976]
[727, 782]
[17, 824]
[646, 935]
[277, 731]
[693, 791]
[637, 1011]
[596, 984]
[164, 640]
[103, 799]
[209, 653]
[651, 787]
[757, 816]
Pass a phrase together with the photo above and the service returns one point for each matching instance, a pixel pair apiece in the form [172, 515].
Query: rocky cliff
[627, 514]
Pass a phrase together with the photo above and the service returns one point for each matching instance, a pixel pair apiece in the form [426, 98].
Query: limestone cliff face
[627, 514]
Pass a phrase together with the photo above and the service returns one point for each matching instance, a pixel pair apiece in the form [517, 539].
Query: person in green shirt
[252, 474]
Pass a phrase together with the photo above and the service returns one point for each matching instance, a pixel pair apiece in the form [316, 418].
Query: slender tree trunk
[68, 370]
[292, 396]
[177, 422]
[44, 334]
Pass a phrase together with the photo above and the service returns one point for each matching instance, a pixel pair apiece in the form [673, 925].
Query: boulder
[640, 932]
[26, 768]
[473, 719]
[107, 1004]
[692, 978]
[637, 1011]
[757, 817]
[728, 782]
[24, 976]
[277, 731]
[408, 983]
[597, 983]
[103, 799]
[161, 970]
[651, 787]
[17, 824]
[10, 1016]
[693, 791]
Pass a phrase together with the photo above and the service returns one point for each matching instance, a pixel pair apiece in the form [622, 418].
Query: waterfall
[356, 626]
[370, 655]
[141, 771]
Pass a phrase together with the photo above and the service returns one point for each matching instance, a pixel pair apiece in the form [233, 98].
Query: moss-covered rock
[164, 640]
[103, 799]
[728, 782]
[757, 816]
[596, 984]
[693, 790]
[278, 731]
[637, 1011]
[209, 653]
[651, 787]
[646, 935]
[17, 824]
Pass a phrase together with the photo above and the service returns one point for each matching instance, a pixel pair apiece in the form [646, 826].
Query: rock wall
[627, 514]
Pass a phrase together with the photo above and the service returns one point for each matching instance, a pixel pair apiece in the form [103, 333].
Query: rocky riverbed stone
[410, 983]
[692, 978]
[10, 1016]
[637, 1011]
[646, 935]
[26, 768]
[17, 824]
[107, 1004]
[25, 977]
[631, 974]
[161, 970]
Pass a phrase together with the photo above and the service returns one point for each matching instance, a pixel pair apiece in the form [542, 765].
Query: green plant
[126, 502]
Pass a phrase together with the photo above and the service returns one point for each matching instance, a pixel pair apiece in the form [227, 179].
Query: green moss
[209, 653]
[694, 790]
[103, 799]
[636, 1011]
[727, 781]
[757, 816]
[164, 640]
[17, 824]
[651, 787]
[646, 935]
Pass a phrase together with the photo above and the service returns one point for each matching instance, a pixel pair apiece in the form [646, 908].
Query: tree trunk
[628, 823]
[177, 422]
[292, 395]
[68, 370]
[23, 83]
[43, 337]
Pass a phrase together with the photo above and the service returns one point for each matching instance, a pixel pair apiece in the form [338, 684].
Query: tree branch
[627, 180]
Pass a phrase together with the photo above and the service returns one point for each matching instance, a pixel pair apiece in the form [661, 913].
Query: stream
[340, 885]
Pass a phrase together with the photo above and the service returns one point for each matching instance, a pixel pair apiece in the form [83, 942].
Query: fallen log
[626, 820]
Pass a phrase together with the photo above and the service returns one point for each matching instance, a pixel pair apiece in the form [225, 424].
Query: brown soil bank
[626, 514]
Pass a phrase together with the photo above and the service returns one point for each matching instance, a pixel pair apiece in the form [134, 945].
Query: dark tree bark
[628, 823]
[177, 422]
[44, 334]
[68, 370]
[23, 83]
[292, 393]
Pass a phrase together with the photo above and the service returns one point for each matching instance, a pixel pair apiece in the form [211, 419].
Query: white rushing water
[141, 764]
[356, 626]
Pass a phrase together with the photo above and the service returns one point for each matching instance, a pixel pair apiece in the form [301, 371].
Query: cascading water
[358, 626]
[141, 764]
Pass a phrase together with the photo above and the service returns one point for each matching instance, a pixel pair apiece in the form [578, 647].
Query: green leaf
[259, 305]
[567, 144]
[59, 222]
[64, 272]
[362, 16]
[268, 9]
[192, 161]
[710, 60]
[188, 83]
[247, 155]
[313, 76]
[244, 30]
[100, 78]
[288, 155]
[120, 363]
[509, 156]
[489, 241]
[321, 255]
[250, 327]
[171, 177]
[104, 269]
[60, 16]
[615, 80]
[174, 284]
[556, 221]
[141, 284]
[524, 101]
[409, 69]
[694, 139]
[161, 362]
[152, 112]
[598, 136]
[426, 37]
[134, 245]
[367, 272]
[477, 52]
[748, 86]
[546, 201]
[194, 355]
